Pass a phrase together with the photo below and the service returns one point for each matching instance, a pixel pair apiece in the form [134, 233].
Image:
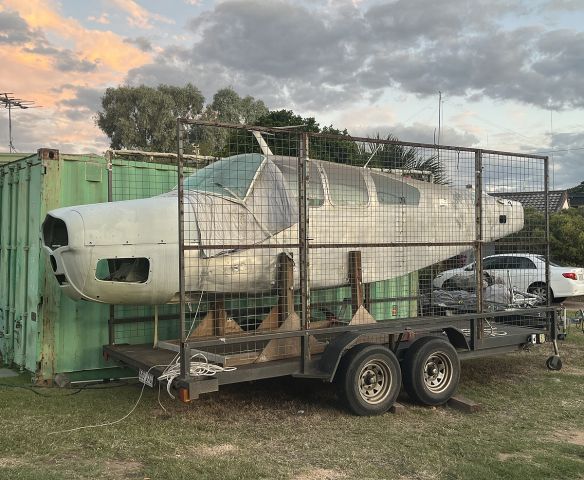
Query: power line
[562, 150]
[9, 101]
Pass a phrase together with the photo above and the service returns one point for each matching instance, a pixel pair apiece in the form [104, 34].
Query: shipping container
[12, 157]
[42, 330]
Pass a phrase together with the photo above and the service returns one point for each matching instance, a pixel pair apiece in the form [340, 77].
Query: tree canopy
[227, 107]
[566, 236]
[144, 117]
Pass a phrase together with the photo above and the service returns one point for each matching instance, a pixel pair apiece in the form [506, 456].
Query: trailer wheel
[431, 370]
[554, 363]
[368, 379]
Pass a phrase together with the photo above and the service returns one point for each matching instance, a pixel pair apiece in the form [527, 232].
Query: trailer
[319, 296]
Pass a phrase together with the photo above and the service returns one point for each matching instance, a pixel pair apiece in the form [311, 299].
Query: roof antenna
[11, 102]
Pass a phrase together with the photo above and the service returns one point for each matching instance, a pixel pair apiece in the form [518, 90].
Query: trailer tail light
[570, 275]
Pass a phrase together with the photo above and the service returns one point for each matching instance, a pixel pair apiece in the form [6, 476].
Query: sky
[510, 72]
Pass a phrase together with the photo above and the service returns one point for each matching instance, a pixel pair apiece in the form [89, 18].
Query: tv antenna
[10, 101]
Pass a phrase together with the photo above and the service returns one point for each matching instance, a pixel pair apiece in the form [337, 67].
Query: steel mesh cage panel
[134, 176]
[290, 238]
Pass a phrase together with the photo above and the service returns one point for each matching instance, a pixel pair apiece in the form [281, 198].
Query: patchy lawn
[531, 427]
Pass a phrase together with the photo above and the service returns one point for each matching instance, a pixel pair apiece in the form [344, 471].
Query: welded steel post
[477, 326]
[110, 198]
[303, 245]
[553, 329]
[184, 354]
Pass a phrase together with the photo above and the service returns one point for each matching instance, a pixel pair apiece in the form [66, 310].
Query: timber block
[464, 405]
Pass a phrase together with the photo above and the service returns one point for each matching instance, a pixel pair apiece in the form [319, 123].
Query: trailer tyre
[431, 371]
[368, 379]
[554, 363]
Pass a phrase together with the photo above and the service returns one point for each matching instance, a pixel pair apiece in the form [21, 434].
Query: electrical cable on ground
[170, 372]
[31, 388]
[197, 369]
[107, 424]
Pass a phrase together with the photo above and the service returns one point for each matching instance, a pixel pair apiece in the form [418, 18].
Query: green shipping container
[41, 330]
[12, 157]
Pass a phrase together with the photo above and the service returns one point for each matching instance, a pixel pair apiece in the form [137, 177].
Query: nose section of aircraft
[63, 234]
[119, 252]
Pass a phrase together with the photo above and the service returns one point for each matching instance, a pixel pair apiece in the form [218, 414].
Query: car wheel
[540, 290]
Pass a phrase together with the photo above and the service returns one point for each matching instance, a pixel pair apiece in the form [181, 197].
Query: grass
[531, 426]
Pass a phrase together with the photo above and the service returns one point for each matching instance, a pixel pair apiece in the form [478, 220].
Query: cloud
[13, 29]
[79, 103]
[64, 59]
[563, 5]
[33, 129]
[566, 159]
[103, 19]
[87, 60]
[313, 60]
[104, 47]
[142, 43]
[138, 16]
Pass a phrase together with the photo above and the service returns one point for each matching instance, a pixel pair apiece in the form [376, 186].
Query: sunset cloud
[41, 48]
[138, 16]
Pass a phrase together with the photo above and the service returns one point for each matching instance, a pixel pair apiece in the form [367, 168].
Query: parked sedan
[523, 271]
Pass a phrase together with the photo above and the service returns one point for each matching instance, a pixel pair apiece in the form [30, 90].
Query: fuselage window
[289, 169]
[346, 185]
[394, 192]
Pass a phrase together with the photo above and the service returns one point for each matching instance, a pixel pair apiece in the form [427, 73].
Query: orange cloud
[106, 47]
[30, 70]
[138, 16]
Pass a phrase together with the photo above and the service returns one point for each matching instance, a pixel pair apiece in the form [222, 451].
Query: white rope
[197, 369]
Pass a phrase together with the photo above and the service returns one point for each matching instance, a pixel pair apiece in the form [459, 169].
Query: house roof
[576, 199]
[556, 199]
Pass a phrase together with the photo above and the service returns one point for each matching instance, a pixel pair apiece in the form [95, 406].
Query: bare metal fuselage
[82, 239]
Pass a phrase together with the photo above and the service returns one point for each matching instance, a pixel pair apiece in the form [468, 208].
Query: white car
[523, 271]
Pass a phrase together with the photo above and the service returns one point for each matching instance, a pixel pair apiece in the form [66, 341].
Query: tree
[144, 118]
[227, 107]
[286, 143]
[395, 156]
[566, 236]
